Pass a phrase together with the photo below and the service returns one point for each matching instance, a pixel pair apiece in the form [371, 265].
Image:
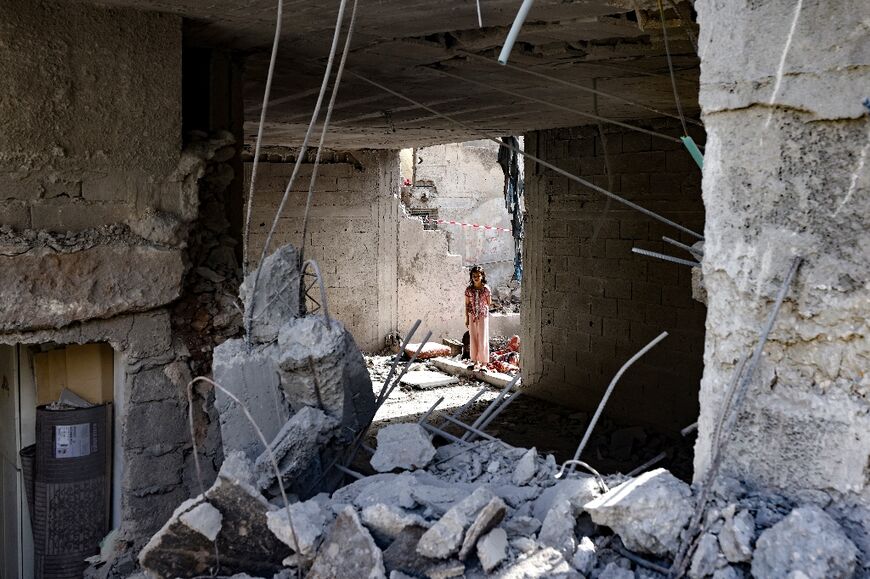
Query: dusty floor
[531, 422]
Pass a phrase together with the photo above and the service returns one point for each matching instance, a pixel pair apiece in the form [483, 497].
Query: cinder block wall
[351, 234]
[589, 303]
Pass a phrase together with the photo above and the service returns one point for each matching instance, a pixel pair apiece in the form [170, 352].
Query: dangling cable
[671, 69]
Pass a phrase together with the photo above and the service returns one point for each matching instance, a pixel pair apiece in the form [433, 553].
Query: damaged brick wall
[589, 303]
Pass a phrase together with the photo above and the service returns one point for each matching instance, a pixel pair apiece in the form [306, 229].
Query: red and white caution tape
[474, 225]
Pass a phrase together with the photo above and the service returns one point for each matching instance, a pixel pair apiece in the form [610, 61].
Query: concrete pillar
[785, 174]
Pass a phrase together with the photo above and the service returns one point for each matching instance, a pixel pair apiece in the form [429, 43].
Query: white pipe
[514, 31]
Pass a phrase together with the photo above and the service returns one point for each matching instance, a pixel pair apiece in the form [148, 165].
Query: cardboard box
[87, 370]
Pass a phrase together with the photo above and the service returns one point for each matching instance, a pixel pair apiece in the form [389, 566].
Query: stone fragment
[735, 538]
[492, 549]
[516, 496]
[525, 468]
[557, 530]
[244, 541]
[204, 519]
[389, 521]
[647, 512]
[253, 378]
[446, 570]
[488, 517]
[729, 572]
[322, 367]
[438, 497]
[522, 526]
[426, 379]
[524, 544]
[402, 554]
[577, 491]
[295, 447]
[704, 559]
[546, 562]
[309, 520]
[405, 446]
[584, 556]
[277, 298]
[614, 571]
[348, 551]
[388, 489]
[807, 543]
[445, 537]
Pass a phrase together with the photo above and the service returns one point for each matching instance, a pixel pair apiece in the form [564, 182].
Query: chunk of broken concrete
[585, 556]
[183, 547]
[525, 468]
[303, 536]
[557, 530]
[402, 554]
[647, 512]
[705, 557]
[492, 549]
[444, 538]
[577, 491]
[322, 367]
[488, 517]
[403, 446]
[807, 543]
[252, 376]
[295, 447]
[545, 562]
[277, 295]
[735, 538]
[389, 521]
[426, 379]
[348, 551]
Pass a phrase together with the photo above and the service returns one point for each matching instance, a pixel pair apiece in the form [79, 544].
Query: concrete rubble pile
[302, 378]
[491, 510]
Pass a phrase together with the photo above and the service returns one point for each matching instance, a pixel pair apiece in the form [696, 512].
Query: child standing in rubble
[478, 298]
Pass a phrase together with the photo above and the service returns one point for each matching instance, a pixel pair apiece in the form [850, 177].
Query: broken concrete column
[277, 298]
[322, 367]
[786, 173]
[647, 512]
[253, 377]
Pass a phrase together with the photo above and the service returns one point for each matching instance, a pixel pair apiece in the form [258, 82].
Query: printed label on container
[72, 441]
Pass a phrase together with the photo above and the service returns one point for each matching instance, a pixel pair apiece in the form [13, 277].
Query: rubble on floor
[465, 511]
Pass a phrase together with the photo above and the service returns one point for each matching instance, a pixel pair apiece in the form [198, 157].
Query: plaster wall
[91, 109]
[786, 175]
[465, 183]
[589, 303]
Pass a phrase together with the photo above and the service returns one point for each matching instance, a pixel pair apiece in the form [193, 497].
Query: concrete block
[277, 295]
[403, 446]
[349, 551]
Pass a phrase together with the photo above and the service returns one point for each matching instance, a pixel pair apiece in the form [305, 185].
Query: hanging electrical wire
[249, 309]
[671, 69]
[541, 162]
[246, 235]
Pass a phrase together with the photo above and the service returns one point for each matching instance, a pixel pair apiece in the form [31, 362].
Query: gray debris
[488, 517]
[704, 559]
[557, 530]
[295, 447]
[425, 379]
[647, 512]
[735, 538]
[309, 521]
[389, 521]
[525, 468]
[403, 446]
[492, 549]
[807, 543]
[523, 526]
[243, 540]
[728, 573]
[614, 571]
[322, 367]
[253, 378]
[349, 551]
[402, 554]
[277, 294]
[578, 491]
[585, 556]
[388, 489]
[545, 562]
[445, 536]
